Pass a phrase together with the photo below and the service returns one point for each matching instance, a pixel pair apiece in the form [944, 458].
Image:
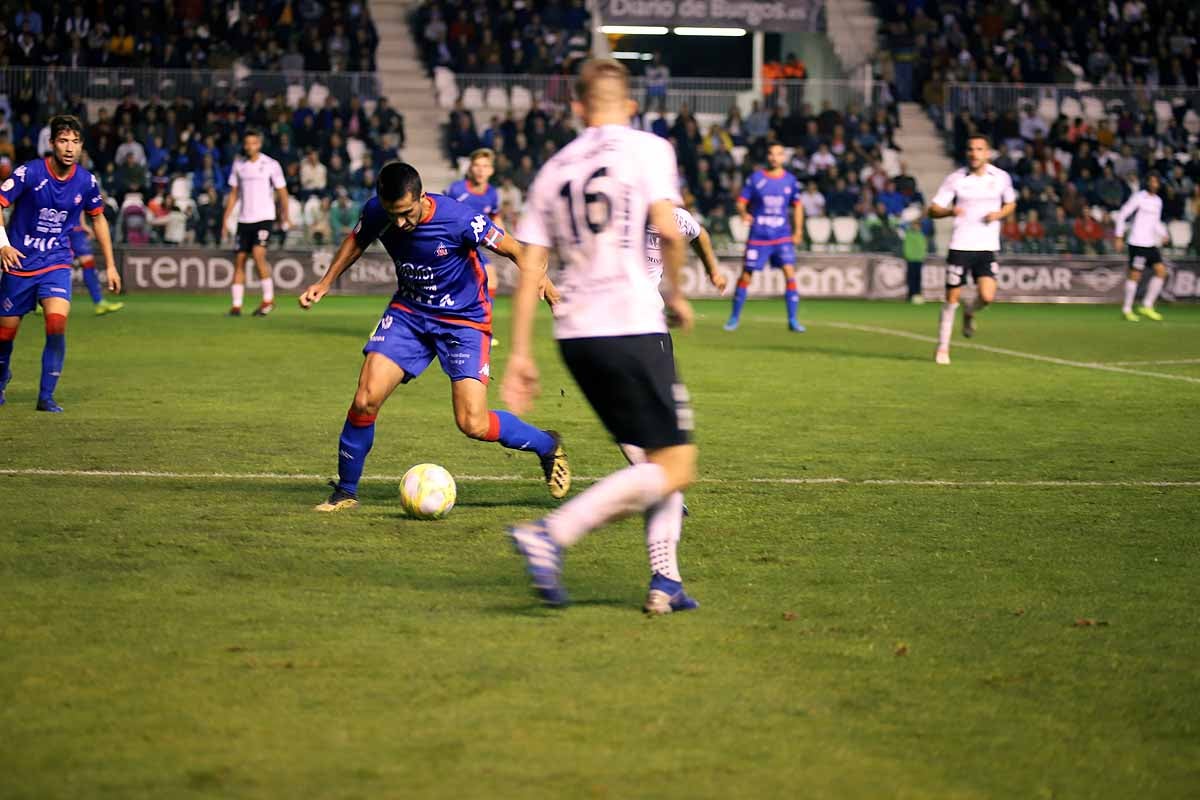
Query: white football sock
[1152, 290]
[629, 491]
[664, 524]
[1130, 291]
[633, 453]
[946, 325]
[268, 289]
[238, 290]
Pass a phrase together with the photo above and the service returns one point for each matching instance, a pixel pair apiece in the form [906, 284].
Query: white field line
[300, 476]
[1063, 362]
[1144, 363]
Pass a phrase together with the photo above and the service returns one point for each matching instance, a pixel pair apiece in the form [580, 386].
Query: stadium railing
[1093, 103]
[58, 84]
[519, 93]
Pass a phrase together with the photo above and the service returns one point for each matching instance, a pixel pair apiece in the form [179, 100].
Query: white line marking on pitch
[1015, 353]
[300, 476]
[1143, 363]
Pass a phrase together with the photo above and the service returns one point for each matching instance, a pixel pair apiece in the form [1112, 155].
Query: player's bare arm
[349, 252]
[938, 212]
[662, 217]
[9, 255]
[104, 238]
[230, 201]
[521, 381]
[1006, 210]
[702, 247]
[281, 205]
[743, 207]
[797, 224]
[510, 248]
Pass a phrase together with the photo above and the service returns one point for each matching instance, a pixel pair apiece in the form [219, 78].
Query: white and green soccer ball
[427, 491]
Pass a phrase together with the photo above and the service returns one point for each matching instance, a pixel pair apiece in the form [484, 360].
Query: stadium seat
[522, 99]
[1072, 108]
[472, 98]
[845, 232]
[317, 94]
[1191, 122]
[739, 229]
[739, 153]
[819, 230]
[355, 148]
[295, 95]
[496, 99]
[1048, 109]
[1163, 111]
[1181, 234]
[1093, 109]
[447, 97]
[443, 79]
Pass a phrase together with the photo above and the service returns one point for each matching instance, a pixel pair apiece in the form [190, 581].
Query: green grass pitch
[997, 597]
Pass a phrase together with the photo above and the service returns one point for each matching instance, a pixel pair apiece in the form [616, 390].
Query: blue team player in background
[441, 309]
[768, 198]
[81, 246]
[475, 192]
[45, 198]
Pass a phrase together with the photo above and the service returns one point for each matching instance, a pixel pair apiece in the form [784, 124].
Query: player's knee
[1160, 270]
[365, 404]
[473, 425]
[87, 262]
[56, 324]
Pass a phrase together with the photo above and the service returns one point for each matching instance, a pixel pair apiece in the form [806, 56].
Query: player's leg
[465, 358]
[1153, 288]
[54, 353]
[1131, 286]
[791, 294]
[238, 289]
[8, 335]
[749, 266]
[985, 294]
[259, 251]
[18, 296]
[955, 278]
[87, 266]
[493, 279]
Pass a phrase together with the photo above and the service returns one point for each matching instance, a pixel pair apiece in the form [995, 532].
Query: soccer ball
[427, 491]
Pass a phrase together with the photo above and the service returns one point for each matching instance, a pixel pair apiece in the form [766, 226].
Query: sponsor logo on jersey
[477, 226]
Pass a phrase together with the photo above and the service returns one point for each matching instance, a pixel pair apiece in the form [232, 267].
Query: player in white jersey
[591, 203]
[1145, 233]
[978, 196]
[257, 180]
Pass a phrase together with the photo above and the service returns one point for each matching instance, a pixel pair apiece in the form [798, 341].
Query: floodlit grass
[211, 636]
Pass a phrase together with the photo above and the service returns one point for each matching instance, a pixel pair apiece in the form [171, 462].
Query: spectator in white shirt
[131, 147]
[813, 201]
[313, 176]
[822, 160]
[316, 220]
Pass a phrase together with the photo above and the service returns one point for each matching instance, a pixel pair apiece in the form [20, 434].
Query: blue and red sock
[92, 280]
[53, 355]
[792, 296]
[6, 347]
[358, 434]
[516, 434]
[739, 297]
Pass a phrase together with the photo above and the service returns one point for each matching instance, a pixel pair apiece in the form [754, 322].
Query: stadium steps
[853, 29]
[402, 79]
[924, 154]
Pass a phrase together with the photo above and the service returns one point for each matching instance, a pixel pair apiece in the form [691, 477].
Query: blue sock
[739, 299]
[6, 348]
[358, 434]
[93, 284]
[516, 434]
[792, 295]
[53, 356]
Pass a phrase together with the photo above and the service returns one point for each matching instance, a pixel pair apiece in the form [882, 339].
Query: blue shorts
[81, 245]
[20, 294]
[412, 340]
[761, 256]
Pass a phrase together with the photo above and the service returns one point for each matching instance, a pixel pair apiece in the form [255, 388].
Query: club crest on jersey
[78, 199]
[442, 251]
[7, 185]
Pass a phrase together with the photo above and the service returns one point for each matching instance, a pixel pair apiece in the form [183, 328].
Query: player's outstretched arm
[104, 239]
[346, 255]
[937, 212]
[662, 217]
[513, 249]
[702, 246]
[521, 380]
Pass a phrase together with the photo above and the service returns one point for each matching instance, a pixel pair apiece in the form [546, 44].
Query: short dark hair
[64, 122]
[252, 132]
[396, 180]
[986, 139]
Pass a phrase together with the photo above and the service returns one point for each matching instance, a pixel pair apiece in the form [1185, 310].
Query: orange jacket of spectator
[1034, 231]
[794, 70]
[772, 71]
[121, 46]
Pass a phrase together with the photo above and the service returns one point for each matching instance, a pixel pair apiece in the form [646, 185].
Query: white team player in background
[1145, 234]
[257, 180]
[592, 203]
[978, 196]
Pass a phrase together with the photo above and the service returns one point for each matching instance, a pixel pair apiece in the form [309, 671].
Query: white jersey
[256, 182]
[977, 196]
[590, 203]
[687, 226]
[1146, 211]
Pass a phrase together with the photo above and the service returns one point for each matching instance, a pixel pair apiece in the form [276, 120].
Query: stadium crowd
[165, 166]
[503, 37]
[306, 35]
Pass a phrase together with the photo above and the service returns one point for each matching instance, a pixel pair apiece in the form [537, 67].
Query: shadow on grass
[838, 352]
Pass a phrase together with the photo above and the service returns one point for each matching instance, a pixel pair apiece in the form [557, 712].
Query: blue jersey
[45, 209]
[438, 272]
[487, 202]
[769, 199]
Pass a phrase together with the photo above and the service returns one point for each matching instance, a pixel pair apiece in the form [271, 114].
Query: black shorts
[973, 263]
[631, 384]
[1142, 257]
[253, 234]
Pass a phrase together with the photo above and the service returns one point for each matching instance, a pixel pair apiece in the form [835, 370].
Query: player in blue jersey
[475, 191]
[441, 309]
[45, 198]
[81, 246]
[767, 200]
